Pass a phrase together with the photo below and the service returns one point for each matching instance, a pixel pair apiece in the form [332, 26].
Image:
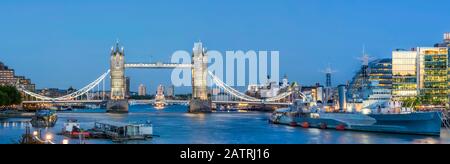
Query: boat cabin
[124, 130]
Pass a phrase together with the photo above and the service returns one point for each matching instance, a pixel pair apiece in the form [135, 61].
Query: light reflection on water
[175, 126]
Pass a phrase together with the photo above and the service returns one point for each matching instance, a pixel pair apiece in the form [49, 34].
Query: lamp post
[65, 141]
[48, 138]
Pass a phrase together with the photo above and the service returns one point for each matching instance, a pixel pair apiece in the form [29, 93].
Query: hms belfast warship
[404, 122]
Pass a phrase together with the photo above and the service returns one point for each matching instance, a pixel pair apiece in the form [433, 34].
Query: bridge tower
[118, 102]
[200, 102]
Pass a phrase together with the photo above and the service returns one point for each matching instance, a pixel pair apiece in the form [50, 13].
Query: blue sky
[66, 43]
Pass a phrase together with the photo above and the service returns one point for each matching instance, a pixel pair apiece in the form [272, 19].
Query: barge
[72, 129]
[119, 132]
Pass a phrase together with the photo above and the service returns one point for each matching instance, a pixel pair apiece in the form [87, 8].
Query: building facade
[433, 75]
[377, 72]
[142, 90]
[404, 70]
[9, 78]
[171, 91]
[127, 87]
[199, 72]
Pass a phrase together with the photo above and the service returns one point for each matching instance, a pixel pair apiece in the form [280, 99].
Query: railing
[68, 97]
[157, 65]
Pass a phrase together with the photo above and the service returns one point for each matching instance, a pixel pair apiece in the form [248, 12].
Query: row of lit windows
[403, 67]
[380, 98]
[436, 79]
[405, 86]
[404, 80]
[404, 62]
[435, 51]
[404, 74]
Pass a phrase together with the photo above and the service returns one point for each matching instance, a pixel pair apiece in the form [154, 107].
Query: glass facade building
[404, 71]
[446, 43]
[380, 71]
[433, 75]
[376, 75]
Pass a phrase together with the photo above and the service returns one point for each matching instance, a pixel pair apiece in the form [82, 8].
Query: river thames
[174, 126]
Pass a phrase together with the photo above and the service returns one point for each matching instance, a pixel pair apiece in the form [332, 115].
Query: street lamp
[48, 137]
[35, 133]
[65, 141]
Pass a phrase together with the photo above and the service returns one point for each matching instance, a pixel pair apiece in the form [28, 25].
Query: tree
[4, 99]
[11, 96]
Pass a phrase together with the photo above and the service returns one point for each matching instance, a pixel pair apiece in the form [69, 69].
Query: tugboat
[44, 119]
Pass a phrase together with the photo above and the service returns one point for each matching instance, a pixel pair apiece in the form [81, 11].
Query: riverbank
[15, 114]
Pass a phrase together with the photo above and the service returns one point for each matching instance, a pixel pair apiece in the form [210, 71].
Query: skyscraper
[171, 91]
[127, 87]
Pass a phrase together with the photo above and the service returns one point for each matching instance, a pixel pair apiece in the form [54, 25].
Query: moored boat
[118, 131]
[44, 118]
[72, 129]
[415, 123]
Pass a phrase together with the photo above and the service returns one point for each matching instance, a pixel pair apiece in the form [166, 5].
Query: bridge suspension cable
[71, 96]
[243, 96]
[231, 90]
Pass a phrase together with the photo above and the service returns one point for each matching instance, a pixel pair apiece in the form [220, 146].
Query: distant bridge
[142, 102]
[157, 65]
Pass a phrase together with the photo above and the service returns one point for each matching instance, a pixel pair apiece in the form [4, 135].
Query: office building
[372, 75]
[404, 70]
[9, 78]
[433, 75]
[127, 87]
[142, 90]
[171, 91]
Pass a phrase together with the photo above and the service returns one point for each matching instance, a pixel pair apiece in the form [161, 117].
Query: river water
[174, 126]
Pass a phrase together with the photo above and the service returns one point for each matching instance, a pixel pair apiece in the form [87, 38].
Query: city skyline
[73, 46]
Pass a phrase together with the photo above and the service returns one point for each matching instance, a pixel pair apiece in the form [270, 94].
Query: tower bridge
[199, 103]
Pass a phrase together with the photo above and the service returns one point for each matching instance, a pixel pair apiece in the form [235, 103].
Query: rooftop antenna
[365, 58]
